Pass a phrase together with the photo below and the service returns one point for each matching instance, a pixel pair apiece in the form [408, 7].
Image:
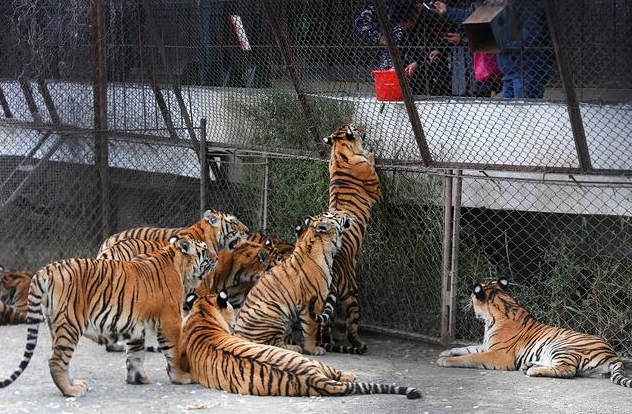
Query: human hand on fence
[439, 7]
[453, 37]
[410, 69]
[434, 55]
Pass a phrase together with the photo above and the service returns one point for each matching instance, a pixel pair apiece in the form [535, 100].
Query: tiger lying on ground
[110, 300]
[215, 228]
[217, 359]
[282, 294]
[354, 187]
[515, 340]
[14, 291]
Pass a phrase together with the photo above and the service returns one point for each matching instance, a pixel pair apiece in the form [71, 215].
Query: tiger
[218, 359]
[354, 187]
[238, 269]
[277, 249]
[127, 249]
[281, 296]
[215, 228]
[110, 300]
[515, 340]
[14, 290]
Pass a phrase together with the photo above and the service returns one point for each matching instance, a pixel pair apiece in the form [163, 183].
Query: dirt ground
[390, 360]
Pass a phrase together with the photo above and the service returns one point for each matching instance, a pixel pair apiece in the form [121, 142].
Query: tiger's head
[218, 228]
[194, 261]
[240, 266]
[491, 301]
[348, 155]
[329, 225]
[210, 309]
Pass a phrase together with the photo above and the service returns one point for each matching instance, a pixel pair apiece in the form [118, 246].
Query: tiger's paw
[135, 377]
[525, 367]
[447, 353]
[318, 350]
[78, 388]
[182, 378]
[444, 362]
[346, 376]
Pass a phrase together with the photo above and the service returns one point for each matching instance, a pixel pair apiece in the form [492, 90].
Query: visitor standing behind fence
[525, 63]
[425, 65]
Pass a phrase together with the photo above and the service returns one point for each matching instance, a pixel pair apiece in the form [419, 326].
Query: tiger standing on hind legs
[112, 299]
[281, 296]
[514, 339]
[354, 187]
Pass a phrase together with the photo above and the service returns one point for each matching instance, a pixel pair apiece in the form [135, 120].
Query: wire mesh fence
[520, 174]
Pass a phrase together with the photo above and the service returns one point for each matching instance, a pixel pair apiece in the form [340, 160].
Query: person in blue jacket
[525, 63]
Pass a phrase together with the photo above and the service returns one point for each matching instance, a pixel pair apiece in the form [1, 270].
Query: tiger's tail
[374, 388]
[34, 317]
[9, 315]
[618, 376]
[325, 320]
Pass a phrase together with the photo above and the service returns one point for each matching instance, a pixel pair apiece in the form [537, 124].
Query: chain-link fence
[522, 174]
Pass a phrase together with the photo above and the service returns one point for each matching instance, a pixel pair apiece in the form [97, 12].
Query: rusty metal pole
[407, 93]
[100, 114]
[574, 114]
[446, 283]
[204, 168]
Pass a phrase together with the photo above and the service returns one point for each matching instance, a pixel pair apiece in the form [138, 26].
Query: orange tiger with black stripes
[282, 295]
[218, 359]
[14, 291]
[238, 268]
[217, 229]
[354, 187]
[111, 300]
[239, 265]
[514, 339]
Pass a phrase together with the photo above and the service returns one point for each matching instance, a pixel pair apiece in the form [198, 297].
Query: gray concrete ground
[390, 360]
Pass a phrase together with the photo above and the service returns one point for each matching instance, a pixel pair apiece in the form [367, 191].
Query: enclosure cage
[125, 113]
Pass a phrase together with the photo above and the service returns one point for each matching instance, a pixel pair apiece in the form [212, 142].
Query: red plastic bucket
[386, 85]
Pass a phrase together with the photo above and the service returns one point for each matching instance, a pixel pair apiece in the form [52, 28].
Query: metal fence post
[204, 168]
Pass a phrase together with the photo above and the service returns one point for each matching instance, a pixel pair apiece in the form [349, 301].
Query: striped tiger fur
[217, 359]
[514, 339]
[9, 315]
[277, 249]
[127, 249]
[110, 300]
[354, 187]
[238, 269]
[215, 228]
[282, 294]
[14, 292]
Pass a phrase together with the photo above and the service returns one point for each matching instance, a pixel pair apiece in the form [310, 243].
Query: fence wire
[540, 152]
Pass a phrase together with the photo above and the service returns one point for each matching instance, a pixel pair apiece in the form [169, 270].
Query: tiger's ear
[347, 223]
[323, 227]
[190, 300]
[173, 239]
[211, 217]
[233, 244]
[478, 291]
[327, 140]
[503, 282]
[264, 257]
[222, 299]
[350, 135]
[185, 245]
